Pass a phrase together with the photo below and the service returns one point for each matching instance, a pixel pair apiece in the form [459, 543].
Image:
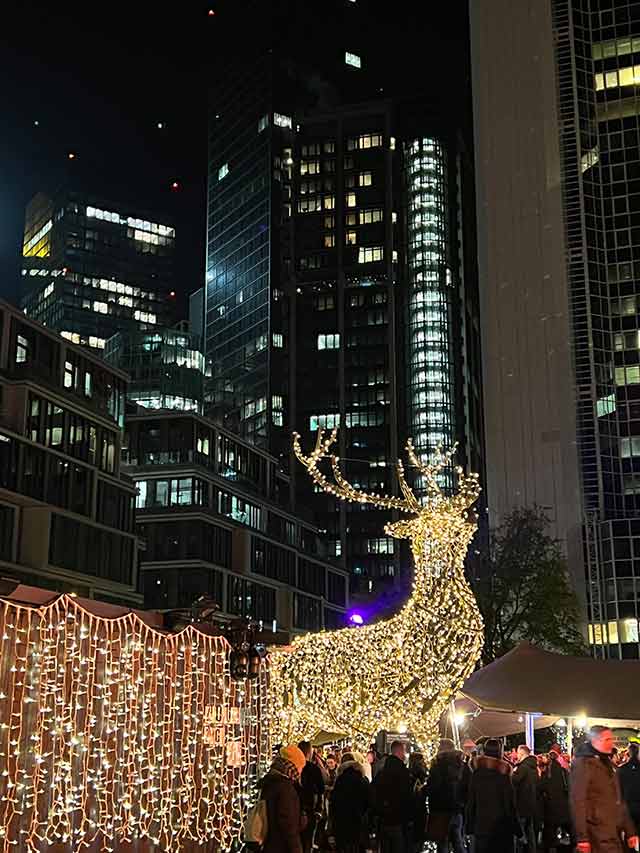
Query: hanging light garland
[111, 731]
[400, 673]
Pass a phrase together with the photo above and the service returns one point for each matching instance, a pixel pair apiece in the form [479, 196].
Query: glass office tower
[565, 268]
[92, 267]
[340, 284]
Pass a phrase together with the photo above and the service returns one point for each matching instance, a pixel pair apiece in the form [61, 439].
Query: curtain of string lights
[111, 731]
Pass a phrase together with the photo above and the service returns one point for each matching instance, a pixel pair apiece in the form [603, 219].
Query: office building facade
[93, 267]
[559, 210]
[214, 513]
[340, 286]
[166, 367]
[66, 511]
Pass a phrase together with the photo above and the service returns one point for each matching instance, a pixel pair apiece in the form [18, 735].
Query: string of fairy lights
[398, 674]
[111, 731]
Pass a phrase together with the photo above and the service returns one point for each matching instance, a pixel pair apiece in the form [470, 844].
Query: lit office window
[330, 421]
[367, 140]
[281, 120]
[373, 215]
[223, 171]
[353, 59]
[263, 122]
[329, 241]
[350, 199]
[22, 350]
[309, 167]
[364, 179]
[278, 340]
[101, 307]
[330, 341]
[350, 238]
[369, 254]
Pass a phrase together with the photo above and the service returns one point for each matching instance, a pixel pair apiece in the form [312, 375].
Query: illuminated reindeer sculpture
[401, 672]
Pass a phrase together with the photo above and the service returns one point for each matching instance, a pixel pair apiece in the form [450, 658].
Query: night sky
[98, 78]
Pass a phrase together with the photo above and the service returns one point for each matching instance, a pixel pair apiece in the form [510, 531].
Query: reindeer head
[439, 527]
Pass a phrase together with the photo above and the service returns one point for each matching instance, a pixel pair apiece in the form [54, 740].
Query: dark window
[311, 577]
[8, 462]
[273, 562]
[7, 520]
[115, 507]
[334, 618]
[180, 587]
[191, 539]
[306, 612]
[336, 589]
[246, 598]
[90, 550]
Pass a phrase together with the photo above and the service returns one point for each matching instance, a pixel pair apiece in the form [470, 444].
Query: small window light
[353, 59]
[223, 171]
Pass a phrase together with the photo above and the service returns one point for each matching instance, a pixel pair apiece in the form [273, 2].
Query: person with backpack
[447, 790]
[280, 791]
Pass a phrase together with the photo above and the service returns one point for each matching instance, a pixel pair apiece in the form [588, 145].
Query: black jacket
[629, 776]
[525, 783]
[448, 783]
[392, 795]
[491, 807]
[283, 814]
[554, 788]
[312, 784]
[349, 804]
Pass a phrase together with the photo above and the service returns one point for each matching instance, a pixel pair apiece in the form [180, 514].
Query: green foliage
[524, 592]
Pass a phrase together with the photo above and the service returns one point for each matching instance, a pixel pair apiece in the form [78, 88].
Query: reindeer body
[402, 671]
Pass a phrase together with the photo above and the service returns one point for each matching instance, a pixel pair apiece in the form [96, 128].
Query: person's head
[523, 752]
[371, 756]
[634, 751]
[417, 762]
[347, 756]
[469, 747]
[293, 755]
[398, 749]
[446, 745]
[492, 748]
[601, 739]
[305, 748]
[554, 754]
[331, 762]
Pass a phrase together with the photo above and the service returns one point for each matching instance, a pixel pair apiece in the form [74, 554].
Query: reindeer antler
[342, 487]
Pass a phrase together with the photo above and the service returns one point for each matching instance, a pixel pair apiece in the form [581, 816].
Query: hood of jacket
[450, 758]
[498, 765]
[529, 761]
[350, 765]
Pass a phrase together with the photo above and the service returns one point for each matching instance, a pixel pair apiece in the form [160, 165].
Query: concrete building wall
[528, 374]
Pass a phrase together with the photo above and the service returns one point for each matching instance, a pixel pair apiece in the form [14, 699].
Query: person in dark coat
[491, 805]
[525, 786]
[312, 786]
[418, 774]
[447, 791]
[348, 806]
[281, 790]
[629, 776]
[554, 794]
[599, 812]
[391, 796]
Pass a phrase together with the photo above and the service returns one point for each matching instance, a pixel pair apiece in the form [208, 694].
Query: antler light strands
[111, 731]
[407, 668]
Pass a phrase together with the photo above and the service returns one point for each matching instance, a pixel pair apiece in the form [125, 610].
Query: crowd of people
[473, 800]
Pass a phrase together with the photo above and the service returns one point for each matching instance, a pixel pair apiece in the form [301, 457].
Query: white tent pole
[528, 731]
[454, 724]
[569, 736]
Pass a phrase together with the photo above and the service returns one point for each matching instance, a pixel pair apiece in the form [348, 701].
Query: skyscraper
[558, 187]
[93, 267]
[340, 287]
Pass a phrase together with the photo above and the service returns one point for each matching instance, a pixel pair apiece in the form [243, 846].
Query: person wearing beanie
[447, 789]
[281, 790]
[491, 806]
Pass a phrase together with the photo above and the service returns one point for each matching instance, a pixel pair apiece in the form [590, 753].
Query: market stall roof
[530, 679]
[476, 722]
